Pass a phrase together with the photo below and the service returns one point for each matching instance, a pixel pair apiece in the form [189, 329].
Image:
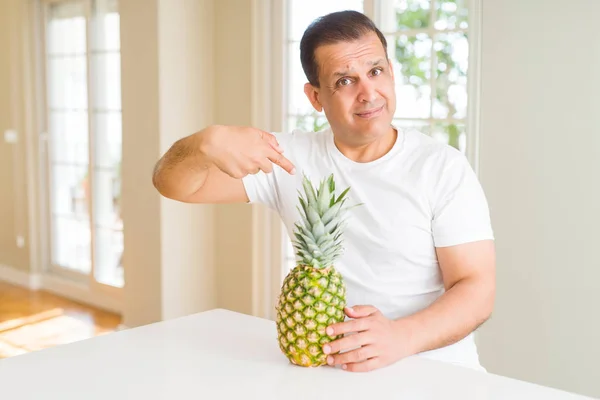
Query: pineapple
[313, 294]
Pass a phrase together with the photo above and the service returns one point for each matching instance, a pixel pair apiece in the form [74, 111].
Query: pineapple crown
[319, 238]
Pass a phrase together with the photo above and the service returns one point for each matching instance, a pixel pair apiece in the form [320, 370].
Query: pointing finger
[270, 139]
[279, 159]
[266, 166]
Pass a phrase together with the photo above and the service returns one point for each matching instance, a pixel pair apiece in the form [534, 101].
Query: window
[83, 104]
[429, 48]
[427, 41]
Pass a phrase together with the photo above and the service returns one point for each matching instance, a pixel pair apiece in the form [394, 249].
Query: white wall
[540, 163]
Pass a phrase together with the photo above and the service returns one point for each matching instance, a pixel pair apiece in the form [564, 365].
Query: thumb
[270, 138]
[361, 311]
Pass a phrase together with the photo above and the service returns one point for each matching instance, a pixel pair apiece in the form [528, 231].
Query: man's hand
[239, 151]
[375, 340]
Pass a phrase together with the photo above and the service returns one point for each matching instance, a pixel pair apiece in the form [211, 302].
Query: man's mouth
[370, 113]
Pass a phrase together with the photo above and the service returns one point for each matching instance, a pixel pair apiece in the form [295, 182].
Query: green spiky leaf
[319, 233]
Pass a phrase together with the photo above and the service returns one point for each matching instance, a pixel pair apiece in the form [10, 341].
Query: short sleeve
[261, 189]
[460, 208]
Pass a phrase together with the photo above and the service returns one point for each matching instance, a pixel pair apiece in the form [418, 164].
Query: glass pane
[67, 85]
[451, 14]
[109, 225]
[452, 55]
[71, 241]
[106, 26]
[412, 71]
[310, 122]
[412, 14]
[298, 103]
[107, 81]
[66, 29]
[450, 133]
[70, 190]
[303, 12]
[68, 137]
[108, 137]
[109, 252]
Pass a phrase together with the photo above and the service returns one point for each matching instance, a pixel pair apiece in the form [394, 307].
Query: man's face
[356, 89]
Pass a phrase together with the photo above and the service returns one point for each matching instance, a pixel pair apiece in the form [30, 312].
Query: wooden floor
[34, 320]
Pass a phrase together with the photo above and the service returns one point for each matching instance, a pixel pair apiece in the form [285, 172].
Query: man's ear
[391, 66]
[313, 96]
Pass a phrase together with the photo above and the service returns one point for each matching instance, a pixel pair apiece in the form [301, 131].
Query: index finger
[279, 159]
[270, 138]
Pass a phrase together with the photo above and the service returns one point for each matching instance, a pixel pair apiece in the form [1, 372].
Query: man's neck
[370, 151]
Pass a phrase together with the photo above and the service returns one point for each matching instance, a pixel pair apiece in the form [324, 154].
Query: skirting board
[20, 278]
[59, 286]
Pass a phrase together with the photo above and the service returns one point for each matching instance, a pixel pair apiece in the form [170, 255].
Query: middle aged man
[419, 259]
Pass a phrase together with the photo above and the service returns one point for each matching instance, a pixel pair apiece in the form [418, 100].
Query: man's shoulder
[430, 152]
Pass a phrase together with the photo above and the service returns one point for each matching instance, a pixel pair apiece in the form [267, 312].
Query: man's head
[350, 78]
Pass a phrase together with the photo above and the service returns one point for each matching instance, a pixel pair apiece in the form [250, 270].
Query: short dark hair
[332, 28]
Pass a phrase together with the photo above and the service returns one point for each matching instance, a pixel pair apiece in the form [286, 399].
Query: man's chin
[375, 127]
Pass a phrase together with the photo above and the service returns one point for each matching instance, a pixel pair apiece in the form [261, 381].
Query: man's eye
[377, 71]
[344, 82]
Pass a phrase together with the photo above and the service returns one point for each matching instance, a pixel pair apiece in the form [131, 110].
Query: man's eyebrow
[370, 63]
[375, 63]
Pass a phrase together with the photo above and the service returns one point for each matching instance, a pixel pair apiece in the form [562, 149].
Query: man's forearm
[458, 312]
[182, 166]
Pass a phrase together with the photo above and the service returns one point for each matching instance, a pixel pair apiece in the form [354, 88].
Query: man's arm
[469, 274]
[207, 166]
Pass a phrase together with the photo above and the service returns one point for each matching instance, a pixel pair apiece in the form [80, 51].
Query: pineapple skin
[310, 300]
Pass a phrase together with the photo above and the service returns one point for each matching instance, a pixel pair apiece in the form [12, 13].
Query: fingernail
[344, 366]
[326, 349]
[329, 360]
[350, 309]
[293, 171]
[329, 331]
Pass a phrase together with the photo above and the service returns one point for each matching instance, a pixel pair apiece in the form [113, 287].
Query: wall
[233, 107]
[13, 191]
[186, 102]
[540, 159]
[141, 207]
[167, 57]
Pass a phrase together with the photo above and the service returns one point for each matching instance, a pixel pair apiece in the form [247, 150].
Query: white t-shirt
[422, 194]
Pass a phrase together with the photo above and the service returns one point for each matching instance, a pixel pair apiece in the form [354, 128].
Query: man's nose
[367, 92]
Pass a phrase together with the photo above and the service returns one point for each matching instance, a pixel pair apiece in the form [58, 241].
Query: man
[419, 260]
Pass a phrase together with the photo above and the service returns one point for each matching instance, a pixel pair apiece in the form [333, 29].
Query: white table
[206, 356]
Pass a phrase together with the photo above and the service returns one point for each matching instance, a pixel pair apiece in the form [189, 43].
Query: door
[82, 160]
